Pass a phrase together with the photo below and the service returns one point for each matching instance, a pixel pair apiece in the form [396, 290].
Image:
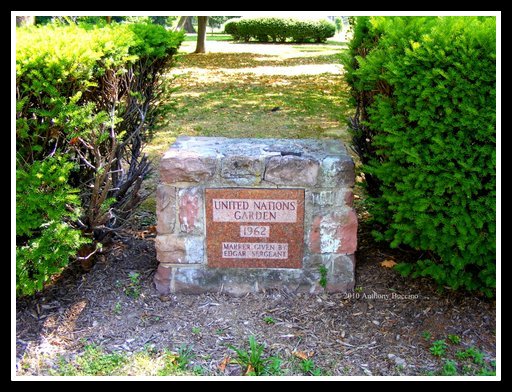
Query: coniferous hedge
[425, 128]
[85, 106]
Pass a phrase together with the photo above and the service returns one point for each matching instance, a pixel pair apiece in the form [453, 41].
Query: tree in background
[159, 20]
[166, 21]
[25, 20]
[217, 21]
[171, 20]
[185, 23]
[201, 35]
[339, 24]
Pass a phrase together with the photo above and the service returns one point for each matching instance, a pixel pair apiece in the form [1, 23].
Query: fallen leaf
[388, 263]
[224, 363]
[172, 358]
[303, 355]
[143, 233]
[249, 369]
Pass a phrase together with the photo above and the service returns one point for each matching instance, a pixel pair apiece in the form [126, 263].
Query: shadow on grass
[248, 105]
[250, 60]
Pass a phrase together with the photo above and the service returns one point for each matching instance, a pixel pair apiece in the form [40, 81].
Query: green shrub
[85, 99]
[246, 29]
[338, 22]
[275, 29]
[364, 39]
[230, 27]
[45, 207]
[428, 89]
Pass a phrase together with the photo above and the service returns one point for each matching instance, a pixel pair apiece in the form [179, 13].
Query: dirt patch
[378, 330]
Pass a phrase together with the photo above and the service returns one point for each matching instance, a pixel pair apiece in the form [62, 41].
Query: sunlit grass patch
[95, 361]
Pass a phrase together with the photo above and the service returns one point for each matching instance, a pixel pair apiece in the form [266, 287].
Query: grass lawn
[209, 37]
[257, 90]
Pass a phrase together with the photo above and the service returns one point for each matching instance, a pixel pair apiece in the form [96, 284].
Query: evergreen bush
[85, 106]
[425, 89]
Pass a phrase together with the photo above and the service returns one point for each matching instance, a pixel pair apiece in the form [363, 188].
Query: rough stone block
[292, 170]
[349, 198]
[237, 166]
[338, 170]
[166, 208]
[170, 243]
[327, 198]
[340, 273]
[190, 209]
[236, 281]
[335, 232]
[194, 249]
[162, 280]
[179, 249]
[171, 257]
[187, 166]
[246, 182]
[313, 261]
[349, 234]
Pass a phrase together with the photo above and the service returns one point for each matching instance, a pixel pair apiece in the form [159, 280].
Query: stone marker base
[239, 281]
[322, 171]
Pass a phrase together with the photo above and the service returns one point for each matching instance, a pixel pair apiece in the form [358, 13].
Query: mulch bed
[376, 331]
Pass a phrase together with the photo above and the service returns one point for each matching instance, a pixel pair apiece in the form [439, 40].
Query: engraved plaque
[254, 228]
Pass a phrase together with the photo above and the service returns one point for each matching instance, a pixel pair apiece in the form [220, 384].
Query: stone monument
[245, 215]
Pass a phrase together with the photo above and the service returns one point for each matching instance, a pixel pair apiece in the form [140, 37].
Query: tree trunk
[181, 23]
[25, 20]
[185, 23]
[189, 27]
[201, 35]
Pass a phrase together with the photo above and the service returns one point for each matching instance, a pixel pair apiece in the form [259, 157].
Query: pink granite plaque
[254, 228]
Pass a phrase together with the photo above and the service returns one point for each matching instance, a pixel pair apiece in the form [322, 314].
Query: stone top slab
[221, 161]
[253, 147]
